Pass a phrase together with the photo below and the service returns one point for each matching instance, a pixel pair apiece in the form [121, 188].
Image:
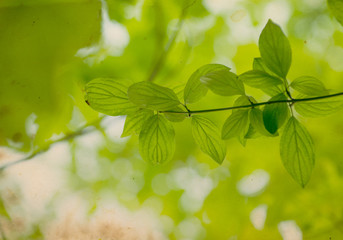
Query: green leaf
[109, 96]
[259, 79]
[224, 83]
[134, 121]
[176, 117]
[259, 65]
[150, 95]
[336, 7]
[252, 133]
[206, 135]
[297, 152]
[194, 89]
[236, 125]
[320, 107]
[309, 86]
[3, 211]
[156, 140]
[275, 115]
[275, 49]
[256, 120]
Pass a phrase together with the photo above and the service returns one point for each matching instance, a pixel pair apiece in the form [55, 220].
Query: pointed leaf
[320, 107]
[297, 152]
[256, 121]
[275, 115]
[236, 125]
[134, 121]
[310, 86]
[156, 140]
[224, 83]
[206, 135]
[259, 79]
[109, 96]
[150, 95]
[275, 49]
[194, 89]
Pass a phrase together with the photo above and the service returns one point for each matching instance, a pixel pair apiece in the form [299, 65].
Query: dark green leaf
[259, 79]
[206, 135]
[236, 125]
[224, 83]
[274, 115]
[150, 95]
[134, 121]
[319, 108]
[336, 7]
[156, 140]
[297, 153]
[310, 86]
[194, 89]
[256, 120]
[109, 96]
[275, 49]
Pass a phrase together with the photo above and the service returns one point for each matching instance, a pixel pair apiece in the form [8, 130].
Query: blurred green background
[95, 185]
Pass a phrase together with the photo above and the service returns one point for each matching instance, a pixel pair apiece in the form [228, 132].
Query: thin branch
[170, 43]
[294, 100]
[82, 130]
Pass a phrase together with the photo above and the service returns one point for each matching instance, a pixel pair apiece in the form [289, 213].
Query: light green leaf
[309, 86]
[150, 95]
[259, 79]
[156, 140]
[194, 89]
[206, 135]
[256, 120]
[109, 96]
[176, 117]
[297, 152]
[252, 133]
[275, 49]
[259, 65]
[3, 211]
[224, 83]
[134, 121]
[336, 7]
[243, 101]
[275, 115]
[236, 125]
[320, 107]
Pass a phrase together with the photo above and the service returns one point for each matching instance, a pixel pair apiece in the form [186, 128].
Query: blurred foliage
[42, 72]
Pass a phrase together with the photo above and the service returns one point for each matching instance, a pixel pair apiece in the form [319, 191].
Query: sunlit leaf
[223, 82]
[309, 86]
[206, 135]
[176, 117]
[135, 120]
[297, 153]
[194, 89]
[156, 140]
[109, 96]
[259, 79]
[256, 120]
[320, 107]
[275, 115]
[275, 49]
[150, 95]
[236, 125]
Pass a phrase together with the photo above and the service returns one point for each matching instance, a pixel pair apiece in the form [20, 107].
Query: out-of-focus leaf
[3, 211]
[274, 115]
[135, 120]
[223, 82]
[206, 135]
[320, 107]
[156, 140]
[176, 117]
[236, 125]
[109, 96]
[336, 7]
[297, 153]
[150, 95]
[194, 89]
[259, 79]
[308, 85]
[275, 49]
[256, 120]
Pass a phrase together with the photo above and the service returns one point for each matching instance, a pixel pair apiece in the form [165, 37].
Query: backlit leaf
[206, 135]
[297, 153]
[156, 140]
[236, 125]
[176, 117]
[320, 107]
[275, 49]
[134, 121]
[309, 86]
[150, 95]
[336, 7]
[259, 79]
[256, 120]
